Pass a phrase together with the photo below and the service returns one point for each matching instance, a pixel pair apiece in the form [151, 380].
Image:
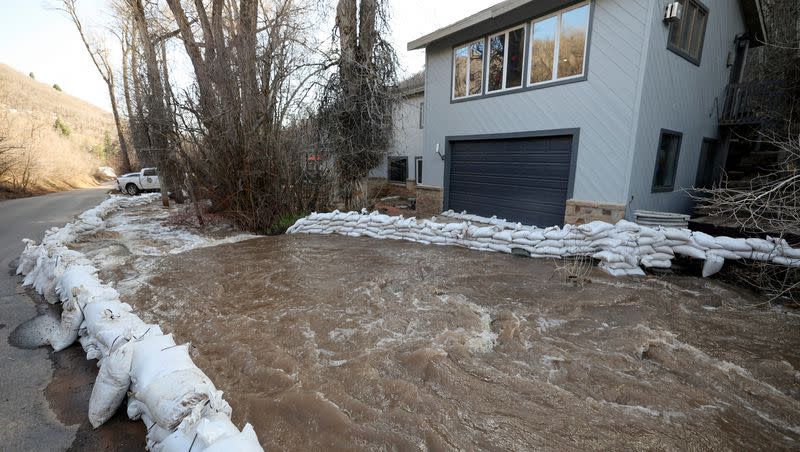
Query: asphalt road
[39, 390]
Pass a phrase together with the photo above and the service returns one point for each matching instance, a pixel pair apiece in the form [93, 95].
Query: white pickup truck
[135, 183]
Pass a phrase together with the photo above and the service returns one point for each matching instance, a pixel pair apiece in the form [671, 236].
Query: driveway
[43, 396]
[338, 343]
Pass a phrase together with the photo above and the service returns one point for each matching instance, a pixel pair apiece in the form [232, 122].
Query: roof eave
[486, 14]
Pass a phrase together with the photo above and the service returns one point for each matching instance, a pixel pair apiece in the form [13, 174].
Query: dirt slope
[44, 157]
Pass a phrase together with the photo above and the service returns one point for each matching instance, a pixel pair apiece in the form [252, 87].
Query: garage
[520, 178]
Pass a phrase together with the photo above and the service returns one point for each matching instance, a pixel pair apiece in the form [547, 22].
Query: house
[554, 111]
[403, 164]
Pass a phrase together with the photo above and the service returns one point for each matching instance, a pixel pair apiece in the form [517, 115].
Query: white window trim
[556, 48]
[487, 55]
[483, 63]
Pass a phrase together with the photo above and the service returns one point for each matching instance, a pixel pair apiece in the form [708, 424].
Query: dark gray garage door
[521, 179]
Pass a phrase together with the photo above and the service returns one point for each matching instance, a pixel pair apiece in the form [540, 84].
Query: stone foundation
[429, 201]
[582, 212]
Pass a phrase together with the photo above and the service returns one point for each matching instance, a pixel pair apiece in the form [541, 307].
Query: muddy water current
[328, 342]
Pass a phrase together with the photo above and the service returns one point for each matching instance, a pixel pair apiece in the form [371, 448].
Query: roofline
[486, 14]
[753, 7]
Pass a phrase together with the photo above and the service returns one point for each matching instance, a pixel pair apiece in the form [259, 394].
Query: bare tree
[100, 58]
[355, 113]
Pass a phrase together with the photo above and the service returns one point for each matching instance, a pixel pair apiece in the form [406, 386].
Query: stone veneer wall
[429, 200]
[582, 212]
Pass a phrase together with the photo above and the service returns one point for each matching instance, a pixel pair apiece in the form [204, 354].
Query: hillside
[49, 140]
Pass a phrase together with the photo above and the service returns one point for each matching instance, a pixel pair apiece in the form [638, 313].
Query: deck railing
[750, 103]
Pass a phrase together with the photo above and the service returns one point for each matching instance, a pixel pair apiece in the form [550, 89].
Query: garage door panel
[522, 179]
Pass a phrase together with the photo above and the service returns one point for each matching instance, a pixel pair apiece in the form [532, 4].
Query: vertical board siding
[602, 106]
[407, 139]
[680, 96]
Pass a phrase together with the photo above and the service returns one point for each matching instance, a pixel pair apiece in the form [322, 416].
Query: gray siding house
[546, 111]
[403, 164]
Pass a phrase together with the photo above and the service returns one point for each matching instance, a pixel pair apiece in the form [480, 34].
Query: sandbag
[712, 265]
[67, 332]
[111, 385]
[690, 251]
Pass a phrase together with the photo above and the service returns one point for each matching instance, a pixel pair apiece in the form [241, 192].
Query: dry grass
[43, 158]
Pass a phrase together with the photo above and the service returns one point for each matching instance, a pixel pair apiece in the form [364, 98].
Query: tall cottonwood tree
[355, 113]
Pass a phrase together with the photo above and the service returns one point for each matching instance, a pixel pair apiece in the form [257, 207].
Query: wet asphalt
[40, 392]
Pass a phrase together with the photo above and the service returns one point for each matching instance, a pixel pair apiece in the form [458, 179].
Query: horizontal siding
[680, 96]
[602, 106]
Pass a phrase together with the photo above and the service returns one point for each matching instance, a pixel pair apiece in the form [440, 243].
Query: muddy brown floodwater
[327, 342]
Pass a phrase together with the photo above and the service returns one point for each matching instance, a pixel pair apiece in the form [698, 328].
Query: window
[506, 55]
[710, 165]
[398, 169]
[149, 172]
[686, 35]
[669, 147]
[422, 115]
[558, 45]
[468, 70]
[418, 161]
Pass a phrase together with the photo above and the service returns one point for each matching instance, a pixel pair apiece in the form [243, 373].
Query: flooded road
[327, 342]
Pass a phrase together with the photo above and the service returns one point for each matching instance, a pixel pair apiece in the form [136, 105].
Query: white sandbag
[246, 441]
[690, 251]
[705, 240]
[67, 332]
[724, 254]
[731, 244]
[607, 243]
[504, 236]
[656, 263]
[787, 261]
[484, 232]
[761, 245]
[712, 265]
[617, 272]
[664, 250]
[681, 235]
[111, 385]
[595, 227]
[625, 225]
[608, 256]
[792, 253]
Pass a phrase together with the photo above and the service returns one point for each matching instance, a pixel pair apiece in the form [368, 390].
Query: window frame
[557, 47]
[487, 55]
[526, 66]
[684, 53]
[466, 45]
[667, 188]
[395, 158]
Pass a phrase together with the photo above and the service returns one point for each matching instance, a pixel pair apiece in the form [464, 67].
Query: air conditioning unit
[673, 12]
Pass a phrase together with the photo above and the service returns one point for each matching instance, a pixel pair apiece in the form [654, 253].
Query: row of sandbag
[622, 248]
[178, 403]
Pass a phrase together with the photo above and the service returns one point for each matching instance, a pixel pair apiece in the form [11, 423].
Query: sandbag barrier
[622, 248]
[180, 406]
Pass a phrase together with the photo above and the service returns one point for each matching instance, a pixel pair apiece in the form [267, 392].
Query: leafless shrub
[769, 203]
[573, 269]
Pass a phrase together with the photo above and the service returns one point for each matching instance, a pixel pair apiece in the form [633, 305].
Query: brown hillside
[42, 156]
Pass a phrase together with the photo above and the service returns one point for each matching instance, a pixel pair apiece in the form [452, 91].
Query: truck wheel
[132, 189]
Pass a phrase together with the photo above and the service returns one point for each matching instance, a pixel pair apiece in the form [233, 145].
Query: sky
[34, 37]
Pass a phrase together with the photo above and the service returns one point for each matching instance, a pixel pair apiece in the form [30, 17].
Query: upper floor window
[506, 55]
[555, 47]
[468, 69]
[686, 35]
[558, 45]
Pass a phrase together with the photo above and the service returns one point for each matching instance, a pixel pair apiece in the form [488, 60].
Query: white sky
[35, 38]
